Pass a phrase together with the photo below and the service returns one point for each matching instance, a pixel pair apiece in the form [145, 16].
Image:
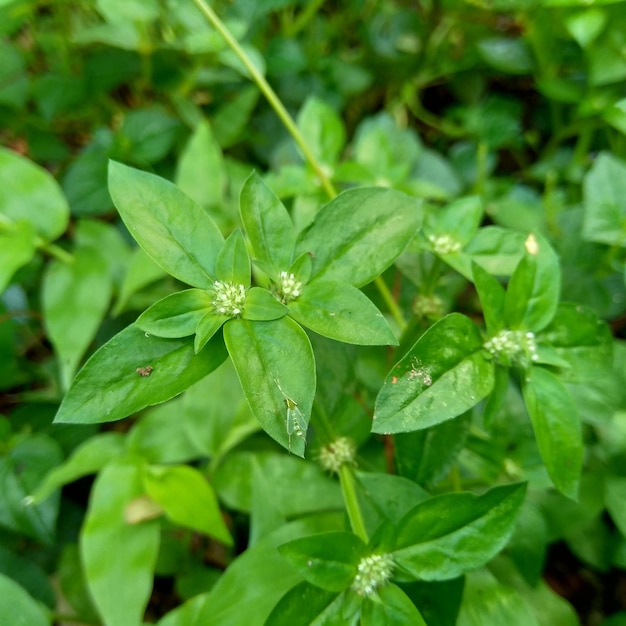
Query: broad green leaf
[307, 604]
[385, 497]
[17, 608]
[171, 228]
[75, 299]
[328, 561]
[615, 496]
[177, 315]
[459, 219]
[451, 534]
[29, 574]
[388, 152]
[488, 603]
[22, 468]
[533, 292]
[89, 458]
[233, 262]
[340, 311]
[275, 365]
[604, 188]
[229, 121]
[261, 305]
[556, 424]
[129, 10]
[147, 134]
[322, 130]
[360, 233]
[187, 499]
[498, 250]
[17, 248]
[392, 608]
[207, 327]
[118, 557]
[132, 371]
[140, 271]
[254, 582]
[200, 169]
[442, 376]
[426, 455]
[506, 54]
[491, 296]
[30, 193]
[267, 225]
[233, 480]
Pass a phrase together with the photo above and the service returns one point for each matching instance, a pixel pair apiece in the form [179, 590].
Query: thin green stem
[55, 251]
[381, 285]
[346, 477]
[304, 17]
[270, 95]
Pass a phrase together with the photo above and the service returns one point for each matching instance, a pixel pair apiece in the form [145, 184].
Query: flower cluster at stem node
[445, 244]
[372, 572]
[228, 298]
[513, 347]
[340, 452]
[290, 288]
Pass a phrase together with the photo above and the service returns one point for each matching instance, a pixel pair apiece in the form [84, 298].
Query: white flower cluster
[340, 452]
[372, 572]
[290, 288]
[228, 298]
[513, 346]
[444, 244]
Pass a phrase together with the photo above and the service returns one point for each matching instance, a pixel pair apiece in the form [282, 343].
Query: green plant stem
[269, 94]
[55, 251]
[304, 17]
[346, 477]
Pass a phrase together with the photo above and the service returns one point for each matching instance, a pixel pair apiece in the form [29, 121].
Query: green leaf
[267, 224]
[426, 455]
[443, 375]
[616, 501]
[392, 608]
[328, 561]
[75, 299]
[233, 262]
[17, 248]
[261, 305]
[172, 229]
[360, 233]
[556, 424]
[208, 325]
[21, 470]
[17, 608]
[147, 134]
[30, 193]
[340, 311]
[488, 603]
[306, 604]
[89, 458]
[139, 272]
[200, 169]
[132, 371]
[491, 296]
[604, 188]
[459, 219]
[27, 573]
[498, 250]
[532, 296]
[322, 130]
[187, 499]
[506, 54]
[176, 315]
[268, 357]
[449, 535]
[118, 557]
